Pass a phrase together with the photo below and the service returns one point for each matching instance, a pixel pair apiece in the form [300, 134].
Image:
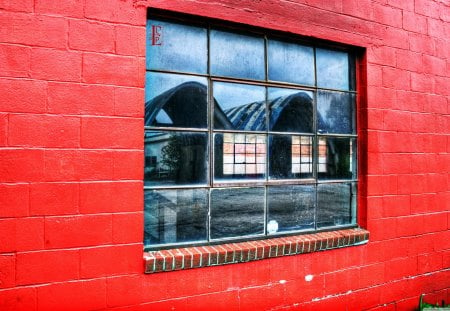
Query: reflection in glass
[175, 216]
[336, 158]
[289, 62]
[175, 100]
[332, 69]
[236, 212]
[239, 106]
[239, 156]
[176, 47]
[291, 207]
[336, 204]
[335, 113]
[290, 110]
[178, 158]
[235, 55]
[290, 157]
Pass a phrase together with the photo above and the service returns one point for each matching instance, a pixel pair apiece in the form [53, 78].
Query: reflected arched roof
[186, 106]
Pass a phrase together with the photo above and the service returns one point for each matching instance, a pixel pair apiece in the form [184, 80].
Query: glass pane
[175, 216]
[236, 212]
[337, 158]
[290, 110]
[176, 47]
[177, 158]
[335, 112]
[239, 156]
[235, 55]
[332, 69]
[290, 208]
[336, 204]
[289, 62]
[290, 157]
[175, 100]
[239, 106]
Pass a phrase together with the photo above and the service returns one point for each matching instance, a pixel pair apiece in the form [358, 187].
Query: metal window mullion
[175, 187]
[210, 110]
[337, 135]
[239, 131]
[267, 120]
[174, 129]
[315, 150]
[183, 73]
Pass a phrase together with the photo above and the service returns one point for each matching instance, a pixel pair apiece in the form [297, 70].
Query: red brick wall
[71, 156]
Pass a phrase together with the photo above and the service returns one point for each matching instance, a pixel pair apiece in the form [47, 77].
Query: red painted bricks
[91, 36]
[80, 99]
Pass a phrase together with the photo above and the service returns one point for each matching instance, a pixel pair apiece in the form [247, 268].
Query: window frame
[354, 54]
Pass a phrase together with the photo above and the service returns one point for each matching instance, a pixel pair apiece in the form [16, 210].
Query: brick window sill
[215, 255]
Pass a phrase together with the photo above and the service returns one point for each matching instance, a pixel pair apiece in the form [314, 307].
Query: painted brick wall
[71, 154]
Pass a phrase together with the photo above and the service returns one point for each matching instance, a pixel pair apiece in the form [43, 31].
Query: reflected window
[242, 156]
[291, 157]
[246, 135]
[301, 154]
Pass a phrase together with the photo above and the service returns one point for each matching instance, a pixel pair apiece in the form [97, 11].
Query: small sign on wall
[157, 37]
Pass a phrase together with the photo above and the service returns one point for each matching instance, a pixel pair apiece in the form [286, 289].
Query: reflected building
[240, 155]
[257, 151]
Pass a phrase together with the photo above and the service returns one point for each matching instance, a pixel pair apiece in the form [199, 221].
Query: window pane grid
[245, 152]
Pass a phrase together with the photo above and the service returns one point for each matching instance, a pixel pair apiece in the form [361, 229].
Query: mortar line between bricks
[72, 82]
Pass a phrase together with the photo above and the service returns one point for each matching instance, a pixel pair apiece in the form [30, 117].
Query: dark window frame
[354, 55]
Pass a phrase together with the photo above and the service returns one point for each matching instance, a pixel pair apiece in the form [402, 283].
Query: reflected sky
[332, 69]
[235, 55]
[157, 83]
[290, 62]
[182, 47]
[275, 92]
[230, 95]
[235, 110]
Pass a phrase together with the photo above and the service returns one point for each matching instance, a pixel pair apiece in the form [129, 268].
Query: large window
[247, 135]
